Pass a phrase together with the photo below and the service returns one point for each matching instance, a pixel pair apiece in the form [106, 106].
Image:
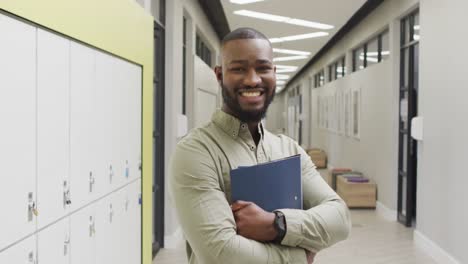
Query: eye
[237, 69]
[264, 69]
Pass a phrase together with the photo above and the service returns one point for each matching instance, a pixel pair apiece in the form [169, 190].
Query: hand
[253, 222]
[310, 257]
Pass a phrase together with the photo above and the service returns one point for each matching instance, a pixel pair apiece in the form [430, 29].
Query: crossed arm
[217, 233]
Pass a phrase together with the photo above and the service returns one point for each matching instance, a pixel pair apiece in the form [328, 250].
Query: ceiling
[330, 12]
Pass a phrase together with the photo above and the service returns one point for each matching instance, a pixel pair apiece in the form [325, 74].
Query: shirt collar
[231, 125]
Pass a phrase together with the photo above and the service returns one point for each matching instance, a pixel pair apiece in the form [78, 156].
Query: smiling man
[219, 230]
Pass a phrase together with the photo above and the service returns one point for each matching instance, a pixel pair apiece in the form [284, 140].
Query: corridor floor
[373, 240]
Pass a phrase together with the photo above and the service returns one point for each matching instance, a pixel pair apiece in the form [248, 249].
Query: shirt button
[243, 126]
[252, 148]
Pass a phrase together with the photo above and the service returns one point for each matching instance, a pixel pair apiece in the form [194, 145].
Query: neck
[253, 126]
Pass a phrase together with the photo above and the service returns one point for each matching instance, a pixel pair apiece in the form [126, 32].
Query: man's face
[247, 78]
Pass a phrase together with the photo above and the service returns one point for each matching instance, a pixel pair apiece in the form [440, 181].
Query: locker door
[83, 231]
[52, 126]
[108, 224]
[83, 173]
[18, 128]
[21, 253]
[124, 97]
[135, 119]
[54, 243]
[109, 137]
[134, 223]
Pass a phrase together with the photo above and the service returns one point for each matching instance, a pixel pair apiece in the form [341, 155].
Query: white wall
[174, 27]
[442, 213]
[375, 151]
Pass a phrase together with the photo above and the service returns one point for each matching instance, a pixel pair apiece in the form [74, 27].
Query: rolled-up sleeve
[206, 217]
[325, 220]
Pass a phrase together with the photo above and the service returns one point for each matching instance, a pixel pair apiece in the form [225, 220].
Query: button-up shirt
[201, 191]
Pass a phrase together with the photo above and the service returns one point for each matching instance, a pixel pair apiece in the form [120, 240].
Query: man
[219, 230]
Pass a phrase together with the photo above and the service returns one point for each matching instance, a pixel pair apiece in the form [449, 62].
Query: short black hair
[244, 33]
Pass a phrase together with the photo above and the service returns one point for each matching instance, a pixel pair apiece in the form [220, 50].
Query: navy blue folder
[272, 185]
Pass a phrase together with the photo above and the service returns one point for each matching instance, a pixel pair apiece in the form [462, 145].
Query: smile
[250, 94]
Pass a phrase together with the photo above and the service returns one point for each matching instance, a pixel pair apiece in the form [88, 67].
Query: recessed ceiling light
[293, 52]
[375, 53]
[283, 19]
[285, 70]
[298, 37]
[286, 67]
[417, 27]
[290, 58]
[243, 2]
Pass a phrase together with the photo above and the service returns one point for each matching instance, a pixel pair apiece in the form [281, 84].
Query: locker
[108, 79]
[21, 253]
[83, 232]
[86, 177]
[108, 238]
[134, 222]
[54, 243]
[52, 126]
[135, 120]
[18, 133]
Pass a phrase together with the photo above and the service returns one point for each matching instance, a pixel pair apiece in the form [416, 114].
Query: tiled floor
[373, 240]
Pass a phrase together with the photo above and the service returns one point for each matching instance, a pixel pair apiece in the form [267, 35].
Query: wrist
[280, 226]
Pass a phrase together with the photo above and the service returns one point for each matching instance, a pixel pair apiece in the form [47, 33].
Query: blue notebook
[272, 185]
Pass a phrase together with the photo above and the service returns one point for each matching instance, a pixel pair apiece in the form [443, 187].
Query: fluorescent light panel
[285, 70]
[290, 58]
[286, 67]
[298, 37]
[281, 82]
[283, 19]
[243, 2]
[292, 52]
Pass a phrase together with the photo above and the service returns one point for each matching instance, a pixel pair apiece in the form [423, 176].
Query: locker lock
[32, 209]
[91, 181]
[111, 173]
[127, 169]
[66, 194]
[66, 244]
[92, 227]
[31, 258]
[111, 213]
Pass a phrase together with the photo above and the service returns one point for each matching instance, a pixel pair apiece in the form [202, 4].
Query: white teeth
[250, 94]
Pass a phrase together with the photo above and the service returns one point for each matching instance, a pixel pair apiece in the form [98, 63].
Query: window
[203, 51]
[372, 52]
[337, 69]
[319, 78]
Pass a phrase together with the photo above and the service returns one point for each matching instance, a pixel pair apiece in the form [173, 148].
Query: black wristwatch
[280, 226]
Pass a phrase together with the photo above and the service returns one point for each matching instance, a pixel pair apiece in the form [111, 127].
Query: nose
[252, 79]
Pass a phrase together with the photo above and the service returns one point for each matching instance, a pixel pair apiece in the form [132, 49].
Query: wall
[93, 22]
[174, 28]
[379, 109]
[441, 191]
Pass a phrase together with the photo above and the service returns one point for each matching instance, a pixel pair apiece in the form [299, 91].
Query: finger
[239, 205]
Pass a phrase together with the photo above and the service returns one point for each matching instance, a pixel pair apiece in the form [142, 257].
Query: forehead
[247, 49]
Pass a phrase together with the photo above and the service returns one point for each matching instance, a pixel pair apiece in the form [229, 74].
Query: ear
[219, 73]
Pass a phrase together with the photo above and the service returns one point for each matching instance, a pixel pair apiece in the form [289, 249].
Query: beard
[246, 115]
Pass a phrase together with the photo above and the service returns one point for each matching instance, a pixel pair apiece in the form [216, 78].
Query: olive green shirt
[199, 184]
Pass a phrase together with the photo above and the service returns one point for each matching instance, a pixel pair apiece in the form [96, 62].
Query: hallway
[373, 240]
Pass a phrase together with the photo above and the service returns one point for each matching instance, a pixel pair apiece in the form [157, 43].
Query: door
[54, 243]
[18, 129]
[407, 146]
[158, 139]
[52, 127]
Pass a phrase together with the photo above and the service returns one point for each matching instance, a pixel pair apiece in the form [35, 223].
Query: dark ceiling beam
[215, 12]
[359, 16]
